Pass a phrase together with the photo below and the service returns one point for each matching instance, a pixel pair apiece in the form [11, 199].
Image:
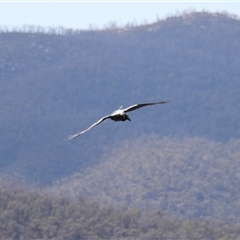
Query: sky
[98, 14]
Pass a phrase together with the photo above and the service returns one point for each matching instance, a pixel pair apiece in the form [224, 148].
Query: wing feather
[93, 125]
[136, 106]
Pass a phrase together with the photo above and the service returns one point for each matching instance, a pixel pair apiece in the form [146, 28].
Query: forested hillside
[181, 157]
[190, 177]
[34, 215]
[54, 84]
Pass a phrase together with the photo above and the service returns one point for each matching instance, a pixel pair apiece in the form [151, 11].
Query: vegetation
[55, 84]
[181, 157]
[33, 215]
[192, 177]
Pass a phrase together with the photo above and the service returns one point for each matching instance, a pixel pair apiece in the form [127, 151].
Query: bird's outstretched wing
[95, 124]
[136, 106]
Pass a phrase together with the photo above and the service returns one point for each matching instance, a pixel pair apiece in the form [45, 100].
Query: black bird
[118, 115]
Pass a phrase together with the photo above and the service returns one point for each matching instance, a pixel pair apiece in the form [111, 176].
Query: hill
[34, 215]
[191, 178]
[58, 82]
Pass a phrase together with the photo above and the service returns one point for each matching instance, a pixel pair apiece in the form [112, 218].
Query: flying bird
[117, 115]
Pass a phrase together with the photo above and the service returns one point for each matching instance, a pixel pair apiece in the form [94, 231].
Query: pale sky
[80, 14]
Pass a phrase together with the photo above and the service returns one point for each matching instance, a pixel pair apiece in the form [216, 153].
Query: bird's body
[117, 115]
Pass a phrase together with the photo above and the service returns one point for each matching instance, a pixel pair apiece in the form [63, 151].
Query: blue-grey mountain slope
[52, 84]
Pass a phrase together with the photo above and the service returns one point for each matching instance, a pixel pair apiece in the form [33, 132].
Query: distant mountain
[53, 84]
